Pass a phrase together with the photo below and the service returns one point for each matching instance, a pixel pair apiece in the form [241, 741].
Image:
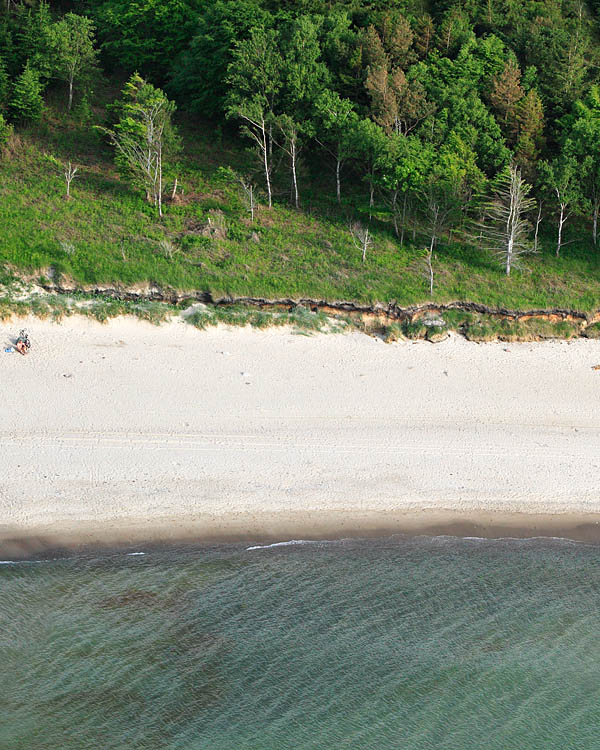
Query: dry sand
[131, 432]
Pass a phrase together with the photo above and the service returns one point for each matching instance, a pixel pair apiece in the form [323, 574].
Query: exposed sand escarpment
[132, 431]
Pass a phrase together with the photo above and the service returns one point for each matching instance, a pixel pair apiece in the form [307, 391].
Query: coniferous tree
[529, 128]
[5, 131]
[506, 92]
[33, 39]
[27, 104]
[424, 35]
[397, 37]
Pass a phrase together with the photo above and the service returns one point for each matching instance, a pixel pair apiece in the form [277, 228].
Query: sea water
[391, 643]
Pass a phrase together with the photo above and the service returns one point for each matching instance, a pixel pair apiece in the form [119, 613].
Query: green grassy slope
[107, 234]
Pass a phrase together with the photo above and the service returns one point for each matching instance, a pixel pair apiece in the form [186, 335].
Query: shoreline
[131, 433]
[272, 528]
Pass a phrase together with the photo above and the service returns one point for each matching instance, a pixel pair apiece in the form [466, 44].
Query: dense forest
[430, 139]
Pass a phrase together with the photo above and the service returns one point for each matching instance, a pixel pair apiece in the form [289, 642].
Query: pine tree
[424, 35]
[506, 92]
[373, 54]
[5, 131]
[27, 104]
[397, 37]
[454, 31]
[529, 128]
[33, 38]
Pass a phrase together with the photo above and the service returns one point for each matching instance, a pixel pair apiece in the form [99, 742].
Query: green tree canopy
[74, 55]
[27, 104]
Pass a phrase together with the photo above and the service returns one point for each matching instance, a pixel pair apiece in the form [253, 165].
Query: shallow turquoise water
[396, 643]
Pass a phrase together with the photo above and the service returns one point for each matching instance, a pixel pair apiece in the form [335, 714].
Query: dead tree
[537, 226]
[429, 267]
[362, 238]
[505, 228]
[439, 207]
[70, 172]
[248, 197]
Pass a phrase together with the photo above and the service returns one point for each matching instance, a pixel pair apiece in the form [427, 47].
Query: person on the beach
[23, 344]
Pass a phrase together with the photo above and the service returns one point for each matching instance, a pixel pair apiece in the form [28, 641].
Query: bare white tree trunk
[395, 211]
[144, 155]
[293, 157]
[248, 195]
[338, 184]
[435, 212]
[403, 220]
[561, 220]
[537, 227]
[174, 193]
[595, 222]
[509, 254]
[505, 227]
[362, 238]
[160, 180]
[70, 172]
[266, 150]
[429, 261]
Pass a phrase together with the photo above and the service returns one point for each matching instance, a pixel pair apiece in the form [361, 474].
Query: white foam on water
[132, 554]
[27, 562]
[283, 544]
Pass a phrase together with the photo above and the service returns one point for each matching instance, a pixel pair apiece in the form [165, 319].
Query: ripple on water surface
[396, 643]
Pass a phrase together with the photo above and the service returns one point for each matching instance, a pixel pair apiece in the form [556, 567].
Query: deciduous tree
[562, 180]
[255, 80]
[143, 136]
[74, 56]
[333, 128]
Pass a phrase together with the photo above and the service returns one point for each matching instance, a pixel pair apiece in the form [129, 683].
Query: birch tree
[254, 77]
[335, 120]
[440, 202]
[362, 238]
[505, 228]
[561, 179]
[142, 136]
[428, 258]
[290, 144]
[70, 174]
[74, 56]
[248, 196]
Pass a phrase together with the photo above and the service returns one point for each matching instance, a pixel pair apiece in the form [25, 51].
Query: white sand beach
[131, 432]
